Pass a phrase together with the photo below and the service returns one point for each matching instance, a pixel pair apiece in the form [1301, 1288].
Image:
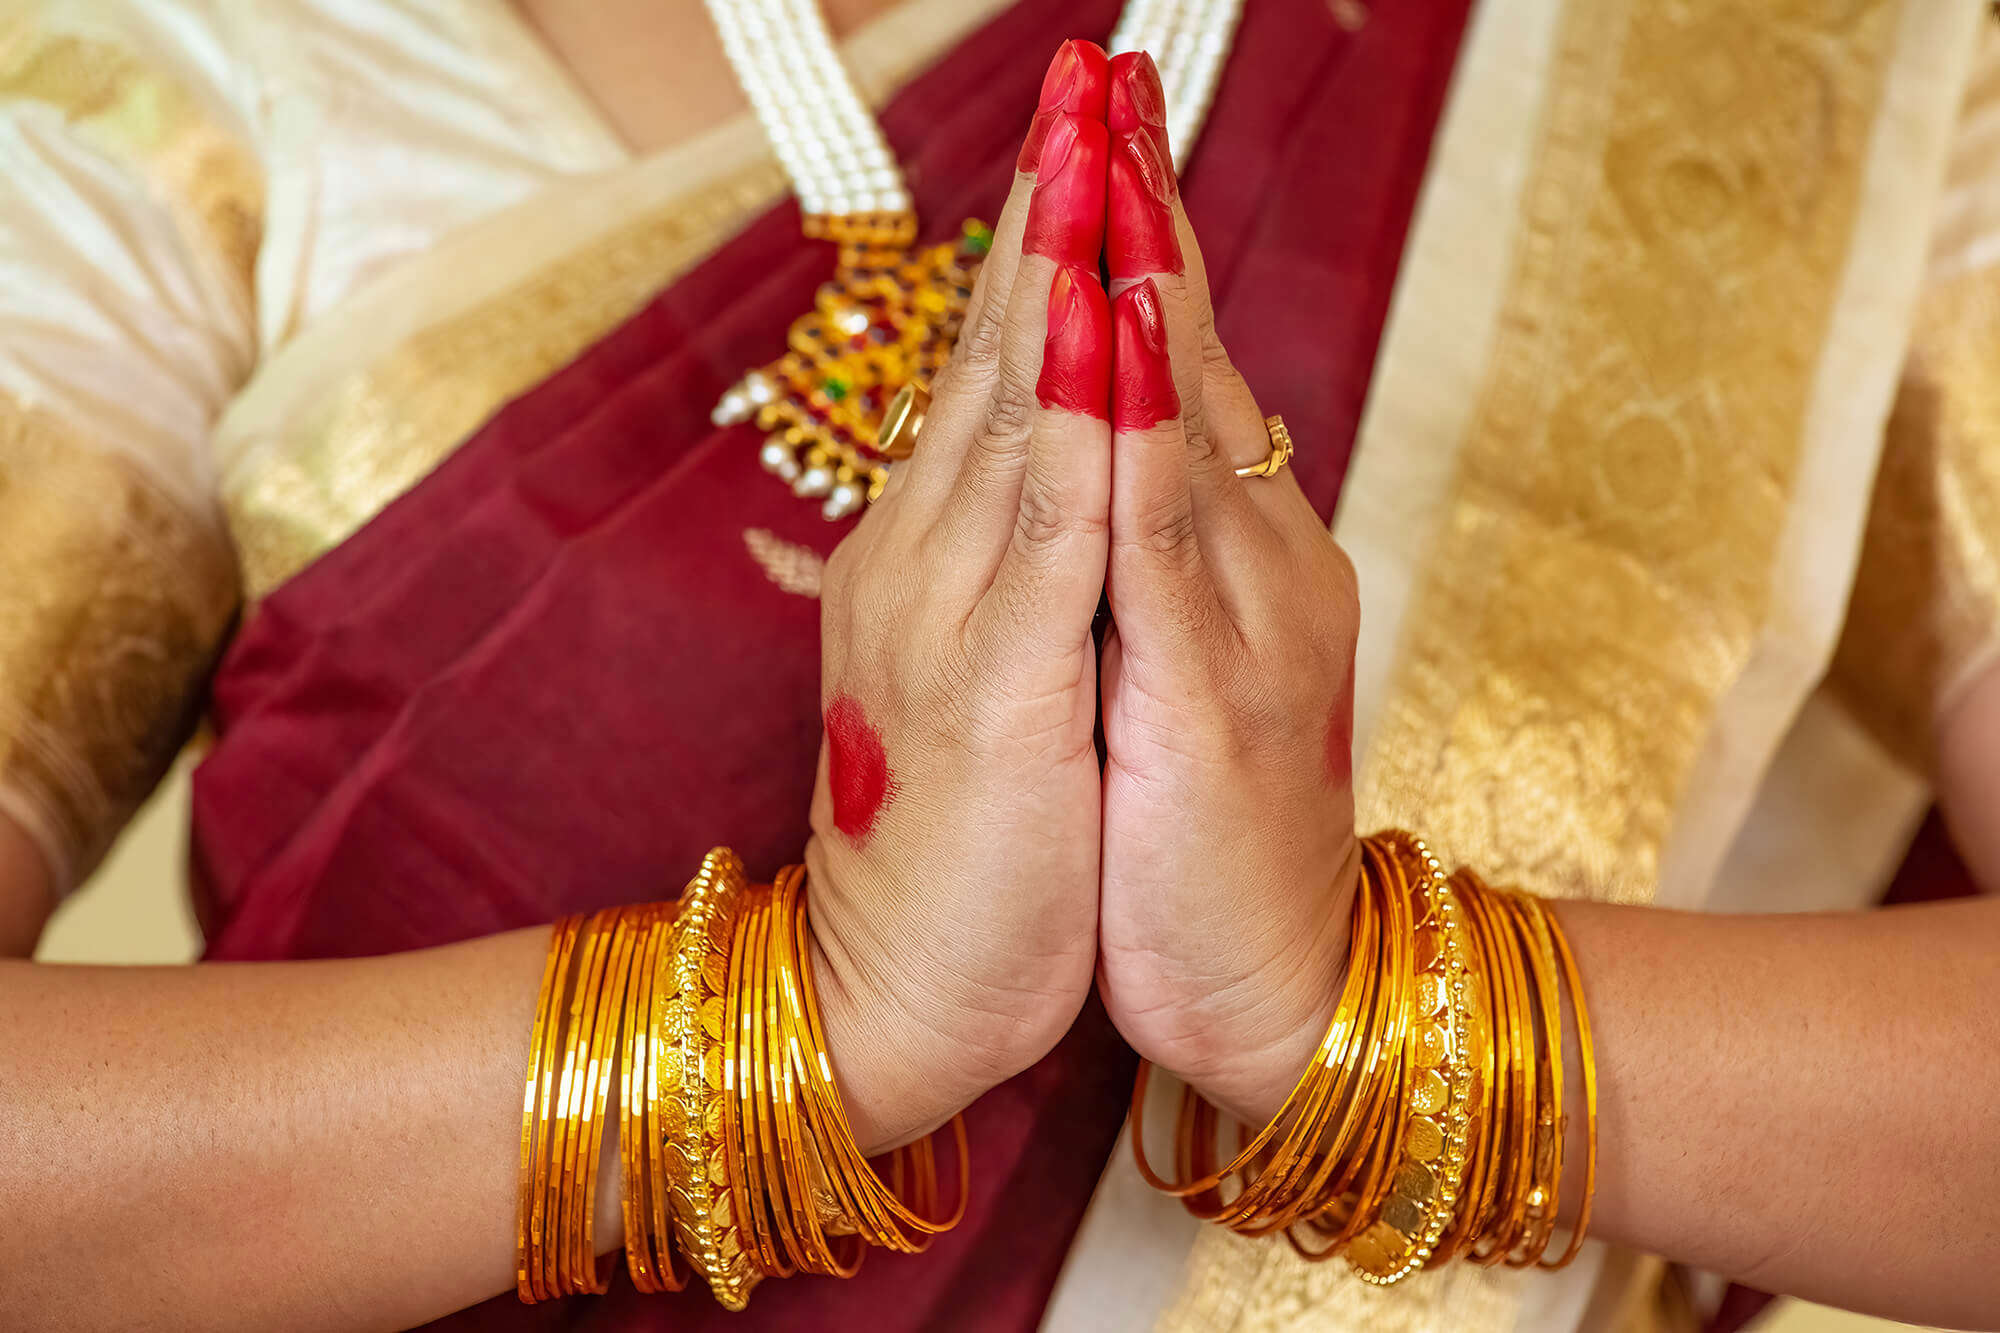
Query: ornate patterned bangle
[1445, 1050]
[691, 1018]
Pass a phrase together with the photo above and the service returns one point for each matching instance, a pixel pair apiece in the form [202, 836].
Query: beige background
[135, 911]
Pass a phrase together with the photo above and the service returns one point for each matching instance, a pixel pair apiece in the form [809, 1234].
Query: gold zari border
[389, 424]
[113, 602]
[1605, 563]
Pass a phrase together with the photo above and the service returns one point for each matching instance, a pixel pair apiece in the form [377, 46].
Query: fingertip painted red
[1066, 215]
[1142, 382]
[1076, 359]
[1077, 84]
[858, 772]
[1141, 238]
[1140, 235]
[1136, 98]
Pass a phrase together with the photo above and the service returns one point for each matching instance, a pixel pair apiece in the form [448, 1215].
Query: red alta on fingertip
[1136, 99]
[1140, 236]
[1142, 381]
[1076, 359]
[1066, 215]
[1077, 84]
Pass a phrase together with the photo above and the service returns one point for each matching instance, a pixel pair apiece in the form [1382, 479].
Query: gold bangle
[543, 1043]
[692, 1081]
[1444, 1051]
[1432, 1121]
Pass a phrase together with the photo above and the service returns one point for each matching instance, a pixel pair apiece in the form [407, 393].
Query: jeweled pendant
[888, 318]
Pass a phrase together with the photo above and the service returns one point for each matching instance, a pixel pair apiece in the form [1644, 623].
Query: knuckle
[1165, 532]
[1048, 518]
[1204, 450]
[979, 343]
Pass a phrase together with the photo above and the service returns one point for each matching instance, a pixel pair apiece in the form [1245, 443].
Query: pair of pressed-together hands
[972, 864]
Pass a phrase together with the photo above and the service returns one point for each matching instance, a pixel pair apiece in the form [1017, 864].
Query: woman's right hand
[954, 857]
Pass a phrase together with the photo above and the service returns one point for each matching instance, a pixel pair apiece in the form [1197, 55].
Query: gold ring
[896, 438]
[1281, 451]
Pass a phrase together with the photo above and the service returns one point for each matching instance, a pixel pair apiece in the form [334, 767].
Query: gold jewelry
[1431, 1122]
[1281, 450]
[897, 438]
[692, 1080]
[734, 1144]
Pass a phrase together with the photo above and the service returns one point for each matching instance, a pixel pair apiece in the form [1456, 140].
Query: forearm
[1802, 1102]
[327, 1145]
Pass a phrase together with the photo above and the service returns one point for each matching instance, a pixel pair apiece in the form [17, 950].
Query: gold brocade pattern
[115, 602]
[1925, 614]
[1606, 558]
[389, 424]
[151, 122]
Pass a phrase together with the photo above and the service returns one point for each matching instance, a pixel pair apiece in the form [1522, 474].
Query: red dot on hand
[857, 768]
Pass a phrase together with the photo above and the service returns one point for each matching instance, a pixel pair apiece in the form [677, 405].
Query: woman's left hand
[1229, 856]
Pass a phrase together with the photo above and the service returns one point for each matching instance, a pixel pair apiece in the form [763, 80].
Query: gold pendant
[888, 318]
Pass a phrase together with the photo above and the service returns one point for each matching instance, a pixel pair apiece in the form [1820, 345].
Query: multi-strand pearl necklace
[891, 311]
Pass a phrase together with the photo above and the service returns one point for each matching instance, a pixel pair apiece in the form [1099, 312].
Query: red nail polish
[1076, 359]
[1076, 85]
[1142, 386]
[1066, 215]
[1141, 237]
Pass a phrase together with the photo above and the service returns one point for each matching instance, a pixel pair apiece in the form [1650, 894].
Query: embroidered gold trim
[1925, 614]
[153, 123]
[388, 425]
[1606, 561]
[113, 602]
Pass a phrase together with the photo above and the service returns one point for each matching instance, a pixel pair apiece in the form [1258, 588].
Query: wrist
[1259, 1060]
[896, 1082]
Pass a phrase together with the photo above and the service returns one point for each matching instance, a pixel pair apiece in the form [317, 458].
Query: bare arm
[320, 1145]
[1806, 1103]
[299, 1145]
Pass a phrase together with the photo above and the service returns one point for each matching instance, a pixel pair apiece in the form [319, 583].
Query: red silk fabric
[552, 675]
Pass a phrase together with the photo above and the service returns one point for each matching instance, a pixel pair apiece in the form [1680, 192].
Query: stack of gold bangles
[734, 1148]
[1431, 1122]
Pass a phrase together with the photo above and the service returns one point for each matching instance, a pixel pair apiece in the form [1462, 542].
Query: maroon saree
[553, 674]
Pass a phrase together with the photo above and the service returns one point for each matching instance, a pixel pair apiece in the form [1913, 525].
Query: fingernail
[1142, 385]
[1136, 97]
[1076, 85]
[1066, 215]
[1141, 238]
[1076, 359]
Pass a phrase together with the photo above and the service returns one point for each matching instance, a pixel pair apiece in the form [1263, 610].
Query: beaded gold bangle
[1432, 1121]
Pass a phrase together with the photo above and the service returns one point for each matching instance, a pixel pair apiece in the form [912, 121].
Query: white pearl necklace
[829, 142]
